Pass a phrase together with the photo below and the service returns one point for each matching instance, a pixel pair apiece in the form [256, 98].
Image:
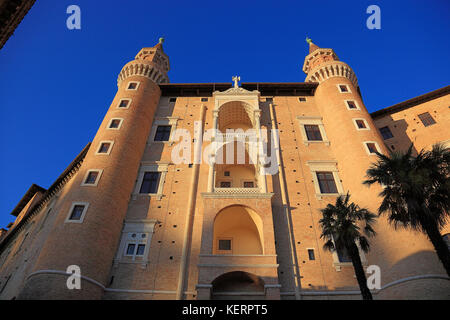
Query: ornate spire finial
[236, 79]
[161, 40]
[309, 40]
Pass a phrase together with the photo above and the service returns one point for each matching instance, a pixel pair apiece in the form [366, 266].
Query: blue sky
[57, 84]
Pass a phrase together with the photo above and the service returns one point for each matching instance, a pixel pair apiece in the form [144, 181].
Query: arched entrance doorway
[237, 285]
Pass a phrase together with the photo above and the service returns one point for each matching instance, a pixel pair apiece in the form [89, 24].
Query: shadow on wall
[280, 219]
[400, 140]
[418, 276]
[423, 262]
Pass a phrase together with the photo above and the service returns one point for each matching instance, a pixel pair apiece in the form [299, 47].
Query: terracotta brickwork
[175, 224]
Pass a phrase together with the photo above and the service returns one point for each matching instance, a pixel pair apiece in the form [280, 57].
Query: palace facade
[141, 224]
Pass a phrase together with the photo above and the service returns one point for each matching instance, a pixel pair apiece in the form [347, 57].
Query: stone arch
[237, 285]
[243, 226]
[235, 114]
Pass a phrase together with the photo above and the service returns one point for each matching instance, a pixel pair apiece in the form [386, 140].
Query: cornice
[143, 69]
[330, 70]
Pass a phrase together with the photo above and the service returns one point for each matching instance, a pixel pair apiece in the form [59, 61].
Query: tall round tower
[404, 257]
[345, 118]
[93, 205]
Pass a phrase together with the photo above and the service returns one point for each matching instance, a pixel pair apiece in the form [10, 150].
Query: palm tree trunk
[439, 245]
[359, 271]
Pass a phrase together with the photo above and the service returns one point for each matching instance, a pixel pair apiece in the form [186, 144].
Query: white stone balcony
[236, 190]
[235, 136]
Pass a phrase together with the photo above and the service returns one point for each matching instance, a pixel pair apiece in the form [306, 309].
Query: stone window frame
[123, 99]
[243, 181]
[365, 122]
[108, 127]
[311, 120]
[133, 81]
[163, 121]
[139, 240]
[367, 148]
[163, 168]
[138, 226]
[390, 132]
[227, 252]
[343, 84]
[338, 264]
[425, 118]
[83, 182]
[109, 150]
[356, 104]
[327, 166]
[226, 179]
[83, 214]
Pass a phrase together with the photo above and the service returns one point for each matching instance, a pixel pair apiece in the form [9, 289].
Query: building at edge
[138, 225]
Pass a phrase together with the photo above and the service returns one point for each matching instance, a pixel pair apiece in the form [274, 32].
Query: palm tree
[416, 192]
[340, 228]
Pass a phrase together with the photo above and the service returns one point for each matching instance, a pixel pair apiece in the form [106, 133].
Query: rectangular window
[91, 178]
[249, 184]
[313, 132]
[204, 99]
[343, 255]
[124, 103]
[104, 147]
[225, 244]
[371, 147]
[302, 99]
[150, 182]
[351, 104]
[326, 182]
[77, 212]
[114, 124]
[426, 119]
[133, 244]
[132, 86]
[386, 133]
[130, 249]
[343, 88]
[163, 133]
[140, 250]
[361, 124]
[225, 184]
[226, 173]
[311, 254]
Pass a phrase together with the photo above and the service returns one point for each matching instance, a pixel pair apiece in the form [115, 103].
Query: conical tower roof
[312, 46]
